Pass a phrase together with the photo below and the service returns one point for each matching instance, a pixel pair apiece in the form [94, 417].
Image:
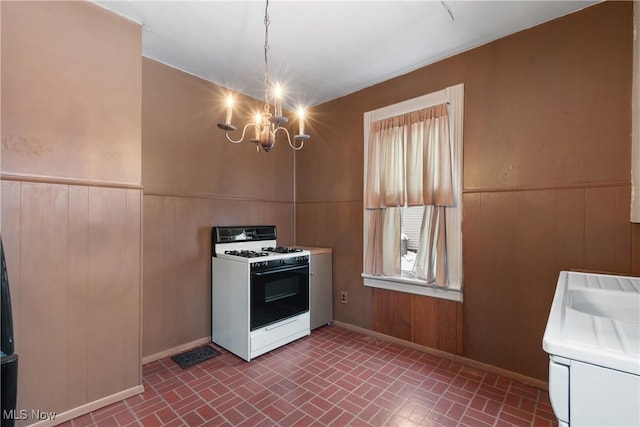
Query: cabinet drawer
[273, 336]
[559, 389]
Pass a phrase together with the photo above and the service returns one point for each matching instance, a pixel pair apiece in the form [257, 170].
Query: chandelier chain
[266, 58]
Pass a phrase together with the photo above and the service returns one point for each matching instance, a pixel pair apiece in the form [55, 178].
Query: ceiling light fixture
[266, 126]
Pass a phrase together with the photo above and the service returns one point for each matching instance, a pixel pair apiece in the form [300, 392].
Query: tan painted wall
[184, 152]
[193, 179]
[71, 200]
[546, 177]
[75, 72]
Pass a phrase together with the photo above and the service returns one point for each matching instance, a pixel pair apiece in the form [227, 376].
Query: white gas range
[259, 291]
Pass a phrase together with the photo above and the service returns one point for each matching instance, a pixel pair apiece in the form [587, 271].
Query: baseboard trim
[175, 350]
[89, 407]
[449, 356]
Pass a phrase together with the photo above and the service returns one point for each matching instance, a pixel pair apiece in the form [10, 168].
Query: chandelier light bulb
[229, 109]
[300, 121]
[278, 101]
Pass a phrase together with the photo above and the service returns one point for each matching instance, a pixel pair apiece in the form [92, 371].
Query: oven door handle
[279, 270]
[271, 328]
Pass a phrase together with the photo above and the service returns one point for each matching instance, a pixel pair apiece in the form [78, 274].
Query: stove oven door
[278, 294]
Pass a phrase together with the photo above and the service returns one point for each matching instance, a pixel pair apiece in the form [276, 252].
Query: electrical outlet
[343, 297]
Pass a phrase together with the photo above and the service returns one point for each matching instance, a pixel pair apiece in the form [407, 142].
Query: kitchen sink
[615, 305]
[593, 340]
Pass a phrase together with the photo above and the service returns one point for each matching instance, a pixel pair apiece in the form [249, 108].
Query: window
[413, 195]
[410, 225]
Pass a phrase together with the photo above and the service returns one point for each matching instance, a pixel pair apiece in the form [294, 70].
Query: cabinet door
[603, 397]
[321, 292]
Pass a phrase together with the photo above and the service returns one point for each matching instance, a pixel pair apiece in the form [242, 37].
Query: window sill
[411, 286]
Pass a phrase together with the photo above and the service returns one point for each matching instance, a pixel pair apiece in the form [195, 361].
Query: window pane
[411, 222]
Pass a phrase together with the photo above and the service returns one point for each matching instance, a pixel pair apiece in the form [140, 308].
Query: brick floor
[334, 377]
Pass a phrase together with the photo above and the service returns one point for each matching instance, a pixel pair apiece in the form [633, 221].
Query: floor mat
[195, 356]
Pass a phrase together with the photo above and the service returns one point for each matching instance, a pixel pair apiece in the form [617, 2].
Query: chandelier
[266, 126]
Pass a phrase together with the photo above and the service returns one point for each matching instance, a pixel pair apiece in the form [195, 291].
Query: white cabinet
[603, 397]
[321, 287]
[593, 340]
[559, 387]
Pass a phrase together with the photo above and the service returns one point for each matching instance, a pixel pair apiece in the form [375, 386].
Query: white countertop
[595, 318]
[315, 250]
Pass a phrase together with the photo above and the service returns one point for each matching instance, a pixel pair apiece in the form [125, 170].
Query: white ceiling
[321, 50]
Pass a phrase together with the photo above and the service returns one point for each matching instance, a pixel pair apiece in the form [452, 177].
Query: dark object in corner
[8, 359]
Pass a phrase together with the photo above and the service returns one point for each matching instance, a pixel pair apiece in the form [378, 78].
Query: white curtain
[383, 245]
[429, 171]
[430, 183]
[385, 171]
[421, 178]
[431, 258]
[384, 196]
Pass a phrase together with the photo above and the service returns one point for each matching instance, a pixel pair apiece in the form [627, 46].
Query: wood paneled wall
[432, 322]
[177, 261]
[546, 183]
[338, 226]
[72, 202]
[550, 230]
[73, 257]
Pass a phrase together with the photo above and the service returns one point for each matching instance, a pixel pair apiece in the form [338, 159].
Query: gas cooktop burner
[282, 250]
[247, 254]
